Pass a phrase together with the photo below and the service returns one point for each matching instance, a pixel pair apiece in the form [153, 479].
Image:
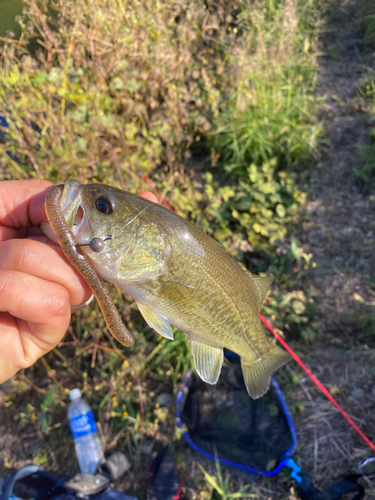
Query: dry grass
[328, 446]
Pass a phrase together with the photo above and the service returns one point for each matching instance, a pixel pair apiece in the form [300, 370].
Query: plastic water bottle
[82, 425]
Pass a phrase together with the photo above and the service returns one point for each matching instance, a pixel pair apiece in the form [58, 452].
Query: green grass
[272, 113]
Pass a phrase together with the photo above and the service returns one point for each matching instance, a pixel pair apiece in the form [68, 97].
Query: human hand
[37, 284]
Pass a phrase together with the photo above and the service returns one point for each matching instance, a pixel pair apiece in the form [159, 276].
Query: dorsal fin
[262, 284]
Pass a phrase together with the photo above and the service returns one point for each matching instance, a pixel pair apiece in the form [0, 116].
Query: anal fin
[156, 321]
[257, 375]
[208, 361]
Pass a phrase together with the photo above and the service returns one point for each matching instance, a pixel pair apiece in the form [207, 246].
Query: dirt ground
[339, 231]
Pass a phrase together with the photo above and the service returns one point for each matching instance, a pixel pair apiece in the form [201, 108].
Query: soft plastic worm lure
[68, 245]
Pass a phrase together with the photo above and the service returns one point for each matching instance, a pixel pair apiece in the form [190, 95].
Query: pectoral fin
[156, 321]
[262, 284]
[146, 255]
[179, 293]
[257, 375]
[208, 361]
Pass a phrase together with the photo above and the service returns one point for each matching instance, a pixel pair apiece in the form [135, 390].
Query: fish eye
[104, 205]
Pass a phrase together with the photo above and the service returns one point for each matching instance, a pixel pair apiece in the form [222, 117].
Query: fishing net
[223, 421]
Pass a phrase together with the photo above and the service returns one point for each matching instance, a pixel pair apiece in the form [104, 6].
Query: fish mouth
[80, 215]
[73, 209]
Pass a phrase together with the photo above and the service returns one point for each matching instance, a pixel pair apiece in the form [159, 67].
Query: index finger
[22, 203]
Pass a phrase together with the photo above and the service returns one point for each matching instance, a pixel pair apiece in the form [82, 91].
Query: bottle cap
[75, 394]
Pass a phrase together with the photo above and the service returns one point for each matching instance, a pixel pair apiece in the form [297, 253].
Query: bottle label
[82, 425]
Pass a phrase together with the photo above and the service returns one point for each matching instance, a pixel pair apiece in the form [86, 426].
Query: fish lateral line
[68, 244]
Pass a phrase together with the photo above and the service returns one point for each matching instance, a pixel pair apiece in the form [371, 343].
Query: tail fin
[257, 375]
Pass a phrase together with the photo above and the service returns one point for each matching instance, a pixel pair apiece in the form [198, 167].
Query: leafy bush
[262, 204]
[253, 212]
[117, 82]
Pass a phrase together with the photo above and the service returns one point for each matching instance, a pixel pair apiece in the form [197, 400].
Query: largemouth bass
[176, 274]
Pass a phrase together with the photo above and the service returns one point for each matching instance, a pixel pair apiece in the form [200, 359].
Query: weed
[270, 115]
[220, 487]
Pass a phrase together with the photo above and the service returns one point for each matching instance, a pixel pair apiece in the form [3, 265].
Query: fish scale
[236, 286]
[178, 276]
